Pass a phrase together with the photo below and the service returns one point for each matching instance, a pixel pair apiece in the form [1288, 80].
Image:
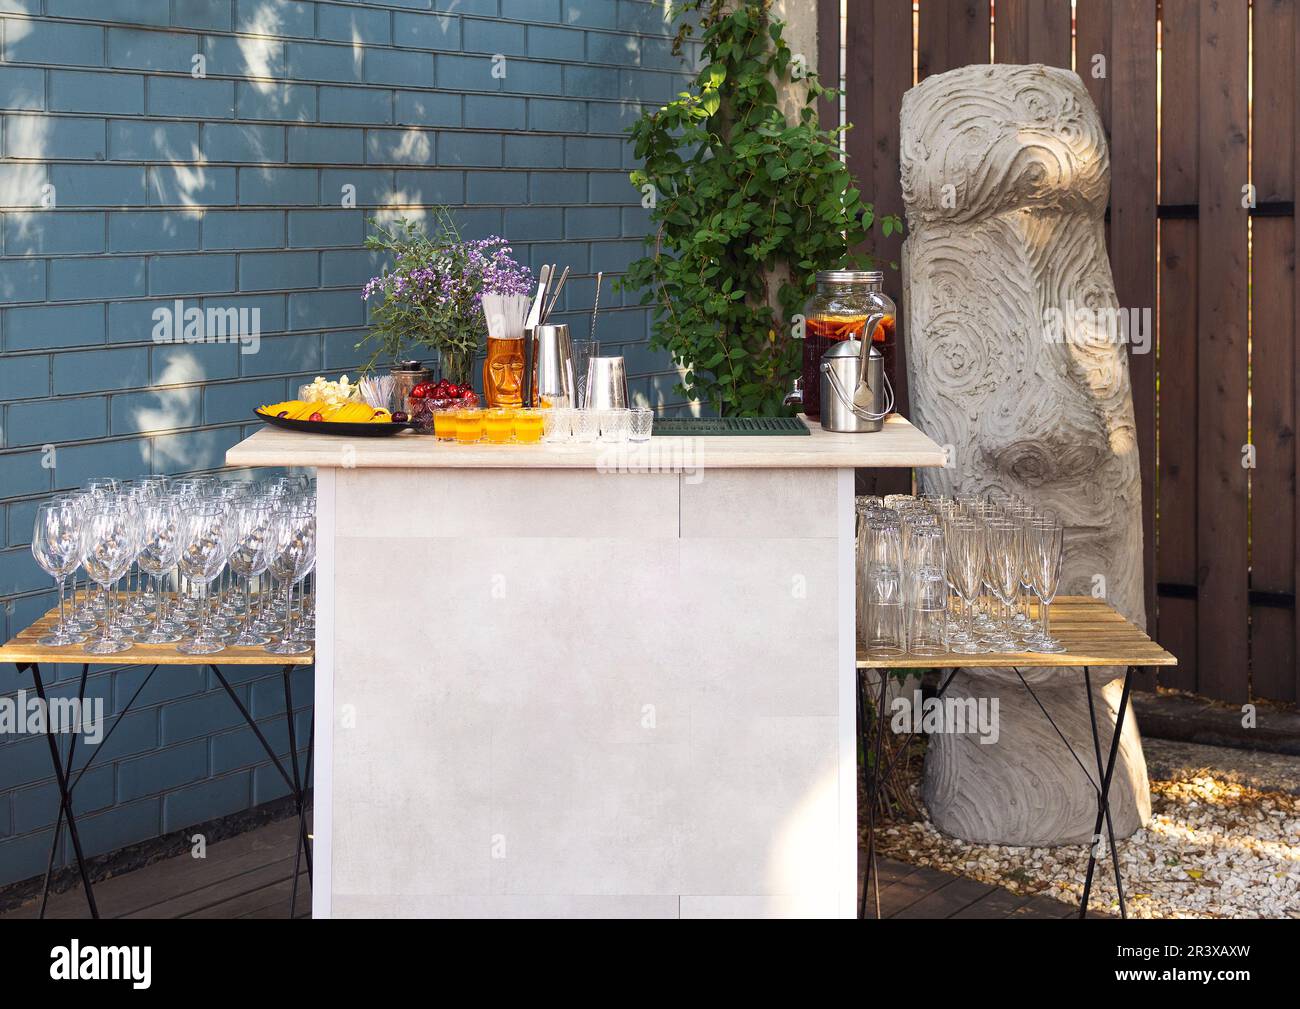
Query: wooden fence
[1199, 102]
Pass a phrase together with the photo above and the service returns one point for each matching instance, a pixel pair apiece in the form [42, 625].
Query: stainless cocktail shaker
[550, 365]
[606, 384]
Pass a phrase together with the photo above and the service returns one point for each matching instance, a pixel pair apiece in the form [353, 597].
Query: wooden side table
[23, 651]
[1094, 634]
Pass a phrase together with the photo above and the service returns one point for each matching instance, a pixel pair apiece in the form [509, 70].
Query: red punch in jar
[838, 311]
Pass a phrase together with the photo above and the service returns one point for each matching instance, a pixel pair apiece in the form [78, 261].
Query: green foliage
[748, 206]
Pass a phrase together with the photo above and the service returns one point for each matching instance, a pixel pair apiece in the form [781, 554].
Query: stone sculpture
[1017, 362]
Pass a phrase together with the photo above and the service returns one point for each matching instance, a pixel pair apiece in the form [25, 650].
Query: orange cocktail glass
[469, 425]
[529, 425]
[498, 424]
[444, 423]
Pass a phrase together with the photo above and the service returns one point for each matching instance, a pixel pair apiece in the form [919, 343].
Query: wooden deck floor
[249, 876]
[909, 891]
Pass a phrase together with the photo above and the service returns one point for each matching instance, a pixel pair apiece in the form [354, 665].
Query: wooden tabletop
[22, 648]
[898, 444]
[1093, 633]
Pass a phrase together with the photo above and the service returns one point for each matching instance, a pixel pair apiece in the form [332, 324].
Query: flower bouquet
[431, 295]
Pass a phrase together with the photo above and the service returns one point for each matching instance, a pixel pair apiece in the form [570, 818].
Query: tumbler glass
[558, 424]
[498, 425]
[530, 426]
[615, 425]
[640, 423]
[444, 422]
[586, 426]
[469, 426]
[883, 629]
[926, 589]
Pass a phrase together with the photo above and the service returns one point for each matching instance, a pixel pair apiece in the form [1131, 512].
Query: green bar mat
[694, 427]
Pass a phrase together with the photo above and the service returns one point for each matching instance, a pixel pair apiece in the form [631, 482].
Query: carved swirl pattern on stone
[1013, 364]
[1038, 796]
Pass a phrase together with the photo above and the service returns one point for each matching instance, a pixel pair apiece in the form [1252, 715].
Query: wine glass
[295, 555]
[252, 543]
[205, 542]
[147, 488]
[56, 546]
[95, 488]
[1046, 540]
[230, 606]
[160, 549]
[110, 540]
[81, 617]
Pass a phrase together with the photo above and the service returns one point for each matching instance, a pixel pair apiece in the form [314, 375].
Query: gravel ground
[1223, 842]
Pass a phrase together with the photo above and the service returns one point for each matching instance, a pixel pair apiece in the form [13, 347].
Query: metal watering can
[856, 396]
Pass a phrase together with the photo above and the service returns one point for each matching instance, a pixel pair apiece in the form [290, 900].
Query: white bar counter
[586, 680]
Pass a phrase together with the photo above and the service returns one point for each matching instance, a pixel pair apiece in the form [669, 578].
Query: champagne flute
[1002, 556]
[964, 545]
[1047, 541]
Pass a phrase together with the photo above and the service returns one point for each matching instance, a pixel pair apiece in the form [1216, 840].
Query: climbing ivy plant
[745, 206]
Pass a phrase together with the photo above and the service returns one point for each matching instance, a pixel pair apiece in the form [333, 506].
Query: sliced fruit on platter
[342, 413]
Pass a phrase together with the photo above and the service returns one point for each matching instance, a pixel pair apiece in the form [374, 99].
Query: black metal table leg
[306, 784]
[874, 778]
[58, 821]
[1103, 798]
[248, 718]
[297, 785]
[65, 794]
[299, 794]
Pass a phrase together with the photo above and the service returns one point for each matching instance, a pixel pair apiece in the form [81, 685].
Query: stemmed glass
[147, 489]
[295, 555]
[205, 541]
[81, 618]
[1023, 515]
[160, 549]
[56, 545]
[252, 543]
[1046, 541]
[110, 539]
[1003, 560]
[964, 545]
[230, 606]
[92, 606]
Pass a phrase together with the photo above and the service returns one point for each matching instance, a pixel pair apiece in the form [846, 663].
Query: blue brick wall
[225, 191]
